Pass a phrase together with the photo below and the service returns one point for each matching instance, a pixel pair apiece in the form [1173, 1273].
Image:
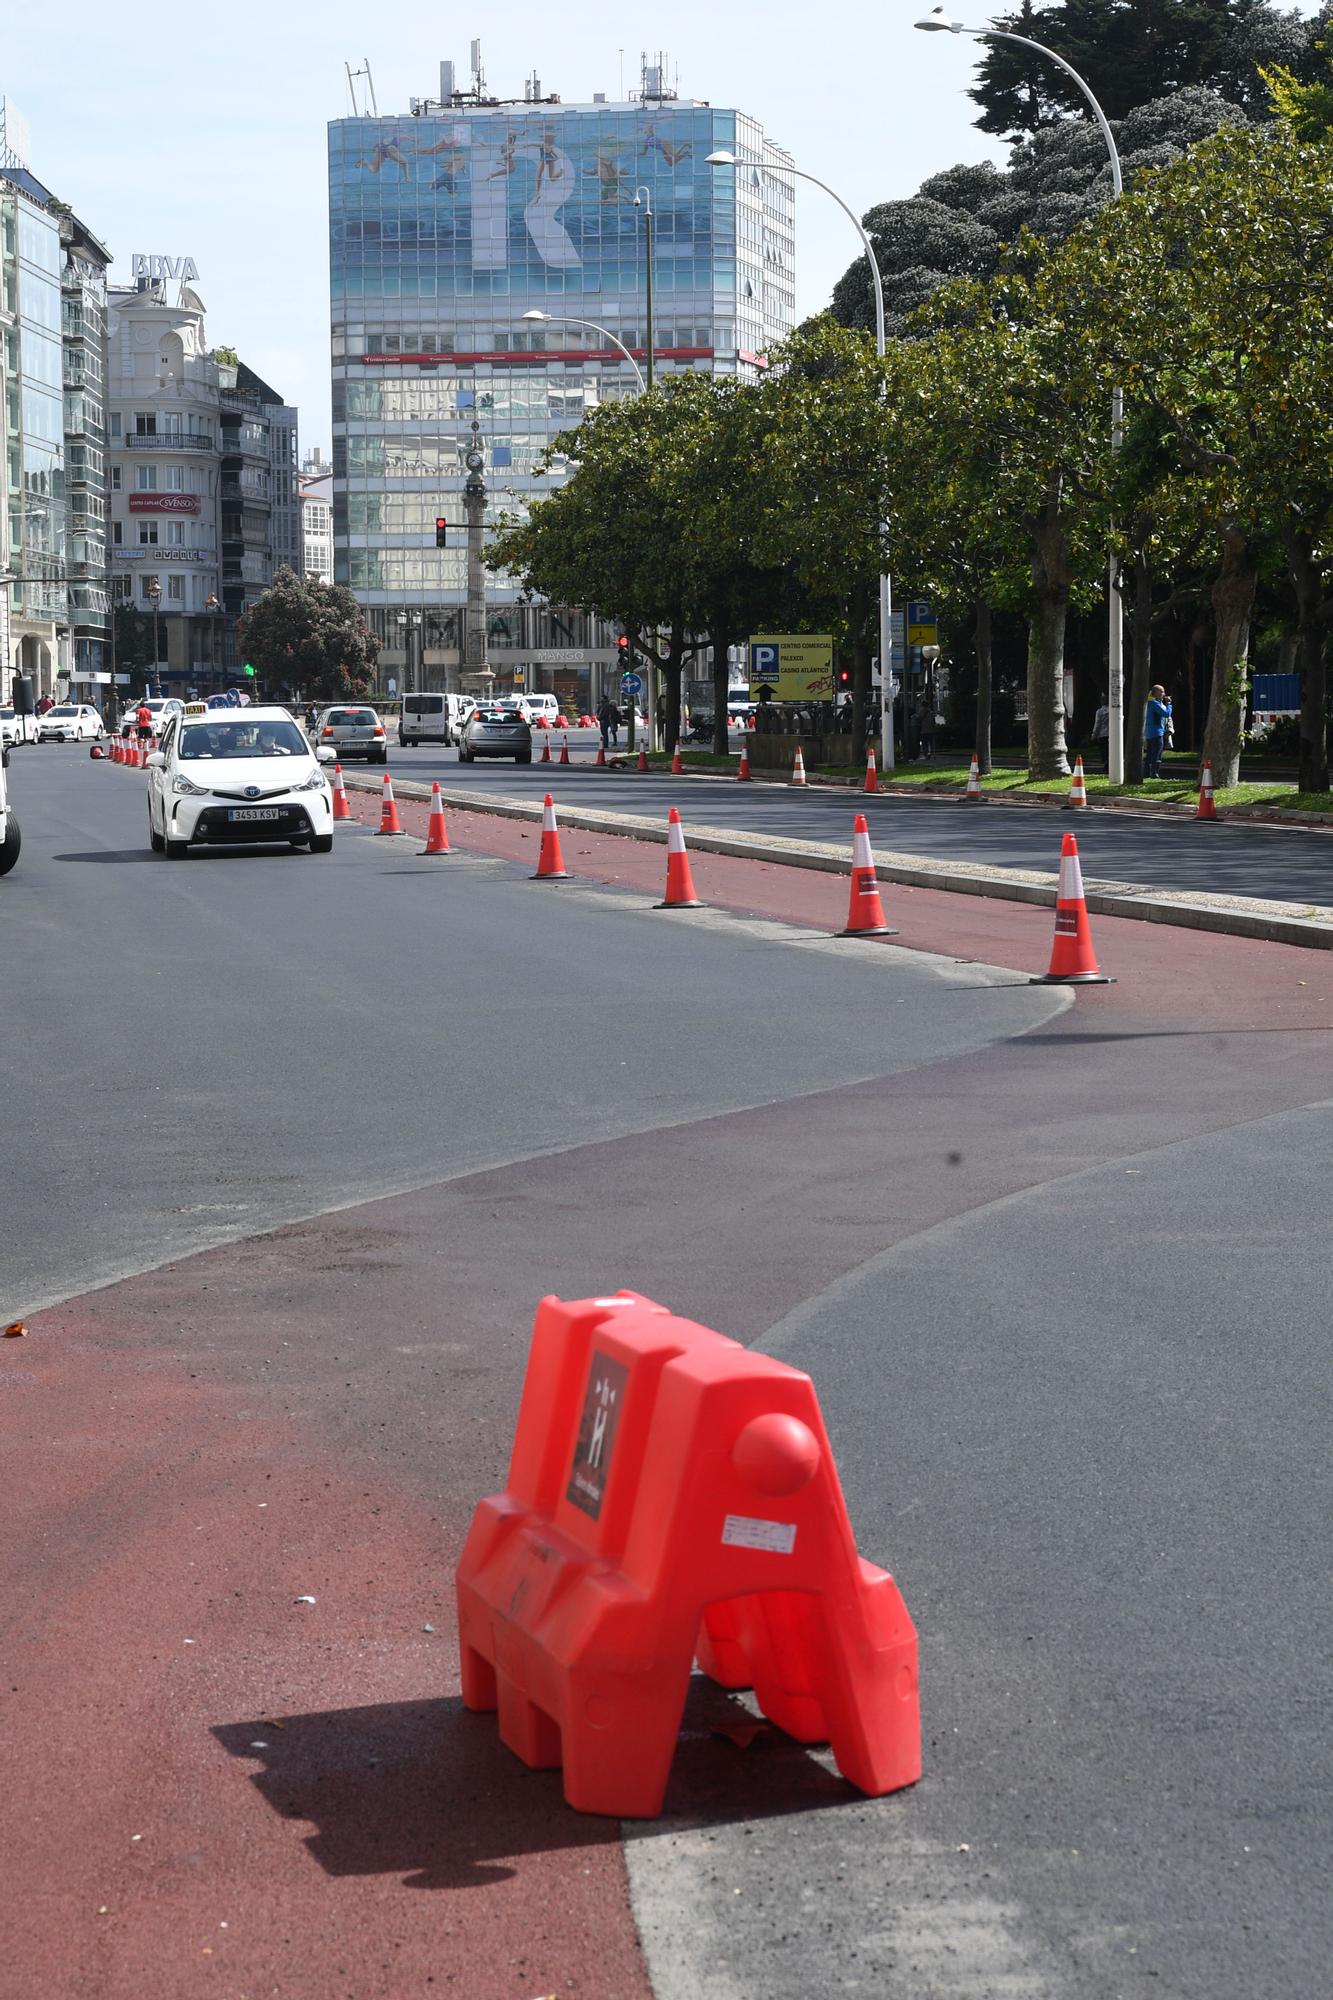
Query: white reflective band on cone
[1071, 880]
[548, 818]
[861, 854]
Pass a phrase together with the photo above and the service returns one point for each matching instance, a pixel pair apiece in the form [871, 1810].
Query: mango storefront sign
[795, 666]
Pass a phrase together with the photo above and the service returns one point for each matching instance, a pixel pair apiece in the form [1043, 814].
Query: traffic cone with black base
[341, 809]
[872, 776]
[679, 883]
[550, 862]
[437, 834]
[1073, 961]
[798, 767]
[564, 750]
[389, 820]
[743, 768]
[1078, 790]
[1207, 806]
[865, 914]
[973, 791]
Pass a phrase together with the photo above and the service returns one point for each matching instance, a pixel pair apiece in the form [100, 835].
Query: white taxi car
[230, 775]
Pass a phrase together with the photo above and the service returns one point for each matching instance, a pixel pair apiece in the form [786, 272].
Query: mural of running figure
[672, 151]
[384, 149]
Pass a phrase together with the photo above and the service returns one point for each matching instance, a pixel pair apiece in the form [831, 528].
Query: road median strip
[1234, 916]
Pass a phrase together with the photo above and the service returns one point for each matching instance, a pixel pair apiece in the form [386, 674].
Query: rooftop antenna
[478, 80]
[369, 93]
[622, 76]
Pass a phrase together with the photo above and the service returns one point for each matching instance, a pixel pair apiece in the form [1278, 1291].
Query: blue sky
[201, 132]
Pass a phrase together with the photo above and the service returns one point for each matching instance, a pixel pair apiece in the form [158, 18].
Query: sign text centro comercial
[794, 666]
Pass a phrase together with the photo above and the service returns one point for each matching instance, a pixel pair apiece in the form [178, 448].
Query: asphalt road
[1284, 863]
[1059, 1273]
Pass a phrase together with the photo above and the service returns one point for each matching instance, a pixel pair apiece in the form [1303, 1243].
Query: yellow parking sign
[794, 666]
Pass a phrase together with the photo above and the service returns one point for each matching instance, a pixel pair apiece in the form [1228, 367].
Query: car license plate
[254, 812]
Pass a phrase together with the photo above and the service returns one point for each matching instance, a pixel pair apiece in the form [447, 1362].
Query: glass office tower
[448, 225]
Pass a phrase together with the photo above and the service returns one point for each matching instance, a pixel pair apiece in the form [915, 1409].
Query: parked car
[352, 730]
[543, 708]
[10, 838]
[433, 718]
[69, 722]
[224, 776]
[16, 728]
[496, 732]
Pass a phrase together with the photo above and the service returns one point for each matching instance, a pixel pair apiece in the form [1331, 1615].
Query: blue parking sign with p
[763, 663]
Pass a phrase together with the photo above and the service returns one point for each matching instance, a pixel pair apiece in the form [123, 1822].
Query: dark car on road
[496, 732]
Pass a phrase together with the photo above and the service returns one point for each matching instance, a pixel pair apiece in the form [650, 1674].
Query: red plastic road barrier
[865, 911]
[550, 861]
[389, 820]
[1078, 790]
[437, 833]
[341, 809]
[680, 882]
[973, 791]
[1073, 961]
[671, 1495]
[1207, 808]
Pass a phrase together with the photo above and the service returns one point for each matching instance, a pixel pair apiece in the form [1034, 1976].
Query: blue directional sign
[631, 683]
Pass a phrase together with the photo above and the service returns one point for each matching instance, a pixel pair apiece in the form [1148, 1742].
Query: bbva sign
[154, 268]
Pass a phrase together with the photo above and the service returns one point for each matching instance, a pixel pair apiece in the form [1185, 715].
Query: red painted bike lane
[220, 1781]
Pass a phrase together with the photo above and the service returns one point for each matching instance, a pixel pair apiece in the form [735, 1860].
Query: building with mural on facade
[446, 226]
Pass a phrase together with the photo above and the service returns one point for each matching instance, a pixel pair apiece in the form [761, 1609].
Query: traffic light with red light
[844, 677]
[441, 527]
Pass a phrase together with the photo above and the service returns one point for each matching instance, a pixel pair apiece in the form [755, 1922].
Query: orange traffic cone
[341, 809]
[743, 768]
[550, 862]
[437, 834]
[643, 757]
[564, 750]
[973, 791]
[1073, 961]
[1207, 809]
[872, 781]
[389, 820]
[798, 767]
[600, 759]
[677, 764]
[865, 915]
[545, 757]
[1078, 791]
[680, 883]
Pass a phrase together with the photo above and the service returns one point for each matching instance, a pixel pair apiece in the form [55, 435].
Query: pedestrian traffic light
[441, 524]
[247, 669]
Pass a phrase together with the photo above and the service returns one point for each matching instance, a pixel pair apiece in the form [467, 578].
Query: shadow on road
[250, 851]
[427, 1791]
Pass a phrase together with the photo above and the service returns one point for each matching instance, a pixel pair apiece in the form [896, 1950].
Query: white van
[544, 705]
[432, 718]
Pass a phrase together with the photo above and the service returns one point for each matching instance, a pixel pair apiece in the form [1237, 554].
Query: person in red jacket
[143, 722]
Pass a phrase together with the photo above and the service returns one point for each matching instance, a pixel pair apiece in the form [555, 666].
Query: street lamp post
[939, 22]
[564, 319]
[411, 622]
[474, 508]
[153, 592]
[885, 581]
[643, 199]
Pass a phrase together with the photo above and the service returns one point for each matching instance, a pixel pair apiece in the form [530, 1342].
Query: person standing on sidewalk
[1156, 723]
[1101, 733]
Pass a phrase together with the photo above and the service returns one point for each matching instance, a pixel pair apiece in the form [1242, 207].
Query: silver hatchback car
[496, 732]
[351, 729]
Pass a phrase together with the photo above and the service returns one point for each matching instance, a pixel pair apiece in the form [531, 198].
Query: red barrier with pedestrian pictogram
[672, 1496]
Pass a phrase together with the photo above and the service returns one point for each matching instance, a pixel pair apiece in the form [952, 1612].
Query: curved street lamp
[564, 319]
[939, 22]
[723, 159]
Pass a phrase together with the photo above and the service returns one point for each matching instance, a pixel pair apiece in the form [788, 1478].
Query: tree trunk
[1140, 669]
[1047, 756]
[1308, 582]
[721, 640]
[984, 664]
[1232, 600]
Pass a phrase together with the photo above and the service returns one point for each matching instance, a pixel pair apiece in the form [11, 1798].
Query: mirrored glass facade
[445, 228]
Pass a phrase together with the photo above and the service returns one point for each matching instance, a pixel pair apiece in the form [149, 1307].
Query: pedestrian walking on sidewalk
[1157, 724]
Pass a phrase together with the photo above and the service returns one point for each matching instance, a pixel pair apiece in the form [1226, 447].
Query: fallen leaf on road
[742, 1734]
[267, 1724]
[16, 1329]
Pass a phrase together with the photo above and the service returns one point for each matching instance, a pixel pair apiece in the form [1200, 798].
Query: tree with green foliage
[310, 636]
[1307, 103]
[1130, 52]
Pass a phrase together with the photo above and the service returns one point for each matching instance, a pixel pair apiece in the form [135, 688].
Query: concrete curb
[1232, 916]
